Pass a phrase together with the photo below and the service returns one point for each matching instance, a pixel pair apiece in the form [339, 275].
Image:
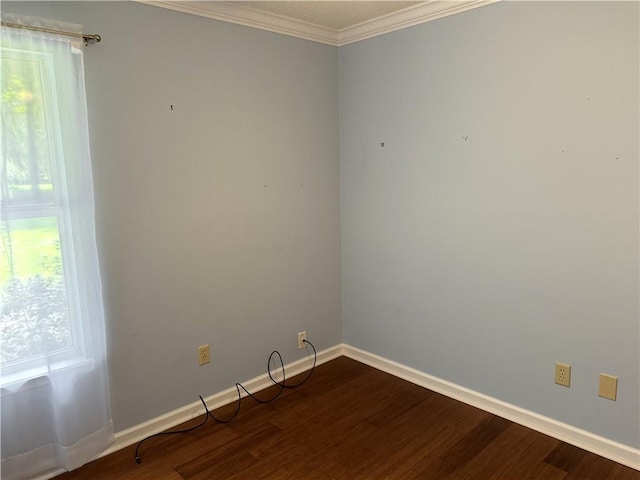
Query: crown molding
[250, 17]
[408, 17]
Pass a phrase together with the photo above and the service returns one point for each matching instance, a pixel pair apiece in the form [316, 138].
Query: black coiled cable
[239, 386]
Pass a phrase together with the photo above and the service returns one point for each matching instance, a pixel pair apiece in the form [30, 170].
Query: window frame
[57, 207]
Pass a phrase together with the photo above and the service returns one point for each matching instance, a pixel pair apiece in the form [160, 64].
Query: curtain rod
[88, 38]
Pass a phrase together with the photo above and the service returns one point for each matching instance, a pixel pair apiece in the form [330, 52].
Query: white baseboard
[602, 446]
[176, 417]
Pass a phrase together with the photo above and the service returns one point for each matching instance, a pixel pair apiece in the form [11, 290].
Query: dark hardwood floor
[350, 421]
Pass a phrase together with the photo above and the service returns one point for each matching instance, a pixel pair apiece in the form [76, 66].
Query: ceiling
[330, 14]
[330, 22]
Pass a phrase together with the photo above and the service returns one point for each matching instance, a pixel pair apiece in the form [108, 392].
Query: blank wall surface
[215, 152]
[496, 231]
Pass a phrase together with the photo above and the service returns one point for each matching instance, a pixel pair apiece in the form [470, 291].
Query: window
[54, 401]
[37, 275]
[40, 314]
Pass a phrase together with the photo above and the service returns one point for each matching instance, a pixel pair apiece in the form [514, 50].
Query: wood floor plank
[350, 421]
[477, 440]
[565, 457]
[594, 467]
[233, 455]
[516, 453]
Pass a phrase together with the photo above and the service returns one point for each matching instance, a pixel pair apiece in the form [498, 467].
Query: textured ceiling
[335, 15]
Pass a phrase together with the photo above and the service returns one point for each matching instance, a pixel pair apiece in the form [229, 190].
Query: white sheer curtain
[54, 396]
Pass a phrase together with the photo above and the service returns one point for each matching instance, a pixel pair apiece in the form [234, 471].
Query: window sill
[17, 379]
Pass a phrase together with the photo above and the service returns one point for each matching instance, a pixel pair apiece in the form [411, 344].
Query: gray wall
[219, 221]
[496, 232]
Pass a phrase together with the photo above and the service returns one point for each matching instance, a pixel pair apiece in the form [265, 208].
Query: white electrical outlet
[302, 336]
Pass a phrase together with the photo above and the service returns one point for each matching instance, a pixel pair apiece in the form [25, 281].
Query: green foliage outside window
[34, 313]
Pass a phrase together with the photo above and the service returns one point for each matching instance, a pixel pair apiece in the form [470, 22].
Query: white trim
[251, 17]
[171, 419]
[176, 417]
[591, 442]
[408, 17]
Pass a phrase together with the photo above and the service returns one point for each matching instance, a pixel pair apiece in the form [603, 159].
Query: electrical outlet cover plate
[563, 374]
[203, 355]
[608, 386]
[302, 336]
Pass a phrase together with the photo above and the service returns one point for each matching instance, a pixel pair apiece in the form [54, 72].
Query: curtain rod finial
[91, 39]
